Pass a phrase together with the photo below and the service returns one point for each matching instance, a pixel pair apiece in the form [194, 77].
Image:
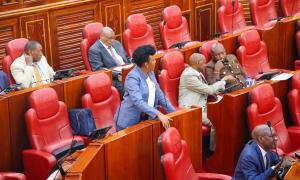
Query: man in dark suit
[108, 53]
[257, 161]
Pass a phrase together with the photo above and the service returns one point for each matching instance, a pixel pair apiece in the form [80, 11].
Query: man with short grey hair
[107, 53]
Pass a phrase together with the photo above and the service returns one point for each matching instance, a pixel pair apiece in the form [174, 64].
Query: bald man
[107, 53]
[193, 89]
[257, 161]
[222, 65]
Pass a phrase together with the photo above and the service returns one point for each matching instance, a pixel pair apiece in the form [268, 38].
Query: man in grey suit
[194, 89]
[108, 53]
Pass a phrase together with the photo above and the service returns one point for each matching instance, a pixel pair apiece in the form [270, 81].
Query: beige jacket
[24, 74]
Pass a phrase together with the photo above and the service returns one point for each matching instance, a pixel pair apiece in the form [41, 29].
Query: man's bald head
[107, 36]
[197, 61]
[261, 130]
[263, 136]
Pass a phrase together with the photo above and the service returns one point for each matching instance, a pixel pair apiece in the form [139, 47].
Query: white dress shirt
[264, 153]
[119, 58]
[151, 87]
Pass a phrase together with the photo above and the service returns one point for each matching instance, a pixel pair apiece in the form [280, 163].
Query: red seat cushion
[294, 99]
[290, 7]
[174, 28]
[137, 33]
[102, 98]
[264, 106]
[91, 33]
[253, 54]
[11, 176]
[231, 18]
[14, 49]
[205, 49]
[262, 11]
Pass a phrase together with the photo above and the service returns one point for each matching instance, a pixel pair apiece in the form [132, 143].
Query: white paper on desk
[119, 68]
[282, 77]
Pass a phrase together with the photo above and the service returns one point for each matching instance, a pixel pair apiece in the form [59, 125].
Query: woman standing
[142, 93]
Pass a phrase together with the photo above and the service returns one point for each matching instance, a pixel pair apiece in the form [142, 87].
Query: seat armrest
[13, 176]
[213, 176]
[294, 133]
[38, 164]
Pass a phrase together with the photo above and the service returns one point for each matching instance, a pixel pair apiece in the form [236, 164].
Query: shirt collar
[263, 152]
[106, 47]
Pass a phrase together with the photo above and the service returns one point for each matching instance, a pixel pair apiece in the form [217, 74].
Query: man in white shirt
[31, 68]
[107, 53]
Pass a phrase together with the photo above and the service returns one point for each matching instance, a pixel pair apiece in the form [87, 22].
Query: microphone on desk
[270, 127]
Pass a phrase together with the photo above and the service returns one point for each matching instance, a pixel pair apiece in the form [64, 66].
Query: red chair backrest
[205, 49]
[12, 176]
[137, 33]
[91, 32]
[14, 49]
[174, 28]
[253, 54]
[231, 18]
[294, 99]
[298, 38]
[290, 7]
[175, 157]
[173, 65]
[47, 121]
[102, 98]
[262, 11]
[264, 106]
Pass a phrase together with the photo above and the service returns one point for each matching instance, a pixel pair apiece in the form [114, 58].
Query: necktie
[267, 161]
[38, 78]
[114, 56]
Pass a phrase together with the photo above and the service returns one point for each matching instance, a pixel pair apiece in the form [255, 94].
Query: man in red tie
[107, 53]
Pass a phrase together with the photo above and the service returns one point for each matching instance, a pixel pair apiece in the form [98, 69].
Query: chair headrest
[263, 96]
[263, 2]
[251, 40]
[171, 142]
[99, 87]
[92, 31]
[172, 16]
[45, 102]
[137, 24]
[228, 6]
[205, 49]
[15, 48]
[296, 81]
[173, 62]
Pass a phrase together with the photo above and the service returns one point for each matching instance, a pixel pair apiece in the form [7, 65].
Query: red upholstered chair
[102, 98]
[14, 49]
[11, 176]
[264, 106]
[253, 54]
[262, 11]
[176, 160]
[49, 133]
[205, 49]
[174, 28]
[294, 99]
[137, 33]
[91, 33]
[290, 7]
[231, 18]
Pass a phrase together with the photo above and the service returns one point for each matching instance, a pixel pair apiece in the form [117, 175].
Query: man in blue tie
[257, 161]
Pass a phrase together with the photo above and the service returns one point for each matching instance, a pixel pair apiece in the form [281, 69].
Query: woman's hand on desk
[164, 120]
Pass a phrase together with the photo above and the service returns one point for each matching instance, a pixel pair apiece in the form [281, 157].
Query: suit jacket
[24, 74]
[3, 80]
[193, 90]
[99, 57]
[135, 100]
[251, 164]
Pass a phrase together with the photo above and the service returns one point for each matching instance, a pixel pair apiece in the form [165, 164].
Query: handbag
[82, 121]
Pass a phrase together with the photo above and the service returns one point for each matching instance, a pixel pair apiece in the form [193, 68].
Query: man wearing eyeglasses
[107, 53]
[257, 161]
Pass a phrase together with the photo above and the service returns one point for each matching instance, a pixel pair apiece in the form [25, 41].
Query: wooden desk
[229, 117]
[133, 153]
[5, 142]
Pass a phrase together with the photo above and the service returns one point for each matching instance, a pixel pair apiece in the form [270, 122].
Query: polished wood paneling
[66, 34]
[8, 32]
[29, 24]
[5, 142]
[205, 21]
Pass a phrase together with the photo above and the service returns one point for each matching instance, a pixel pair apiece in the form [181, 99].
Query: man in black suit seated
[108, 53]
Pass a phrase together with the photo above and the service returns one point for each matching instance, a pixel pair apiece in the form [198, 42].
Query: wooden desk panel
[129, 153]
[189, 125]
[89, 165]
[5, 143]
[18, 104]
